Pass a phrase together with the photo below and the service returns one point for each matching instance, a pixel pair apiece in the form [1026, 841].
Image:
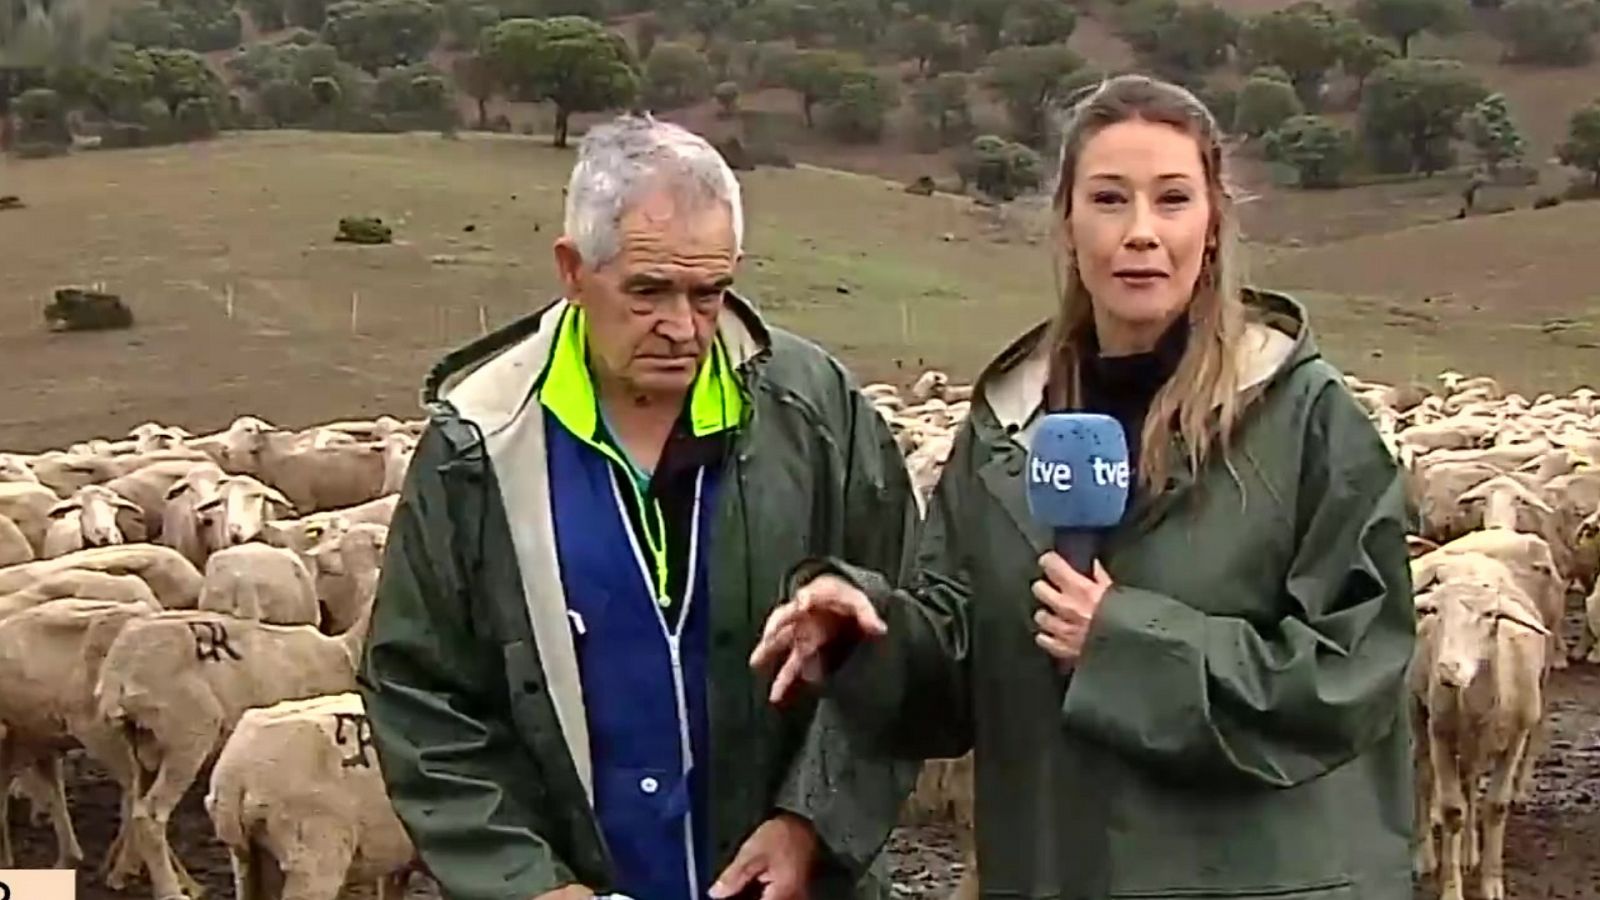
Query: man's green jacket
[469, 673]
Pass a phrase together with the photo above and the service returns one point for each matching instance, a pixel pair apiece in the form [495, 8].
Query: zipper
[675, 652]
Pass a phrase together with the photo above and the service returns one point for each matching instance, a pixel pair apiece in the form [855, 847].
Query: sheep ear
[129, 505]
[209, 505]
[176, 490]
[277, 498]
[64, 507]
[1426, 605]
[1516, 612]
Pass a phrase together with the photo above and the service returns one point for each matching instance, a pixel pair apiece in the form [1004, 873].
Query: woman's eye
[1174, 198]
[1106, 197]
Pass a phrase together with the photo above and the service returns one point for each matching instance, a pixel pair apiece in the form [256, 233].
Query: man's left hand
[1068, 603]
[778, 855]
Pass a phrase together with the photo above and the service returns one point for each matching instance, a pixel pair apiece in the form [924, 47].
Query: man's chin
[664, 379]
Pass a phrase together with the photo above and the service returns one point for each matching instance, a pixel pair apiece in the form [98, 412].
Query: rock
[922, 187]
[364, 230]
[11, 201]
[81, 309]
[843, 289]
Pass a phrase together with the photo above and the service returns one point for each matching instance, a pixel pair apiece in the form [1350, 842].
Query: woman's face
[1139, 226]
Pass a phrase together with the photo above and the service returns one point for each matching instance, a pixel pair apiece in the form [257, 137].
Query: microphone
[1077, 481]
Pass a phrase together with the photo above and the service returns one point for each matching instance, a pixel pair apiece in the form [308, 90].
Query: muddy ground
[1552, 845]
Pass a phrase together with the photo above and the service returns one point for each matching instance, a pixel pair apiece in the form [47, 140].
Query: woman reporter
[1219, 710]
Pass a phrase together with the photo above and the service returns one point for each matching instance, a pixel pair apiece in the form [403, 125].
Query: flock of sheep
[169, 601]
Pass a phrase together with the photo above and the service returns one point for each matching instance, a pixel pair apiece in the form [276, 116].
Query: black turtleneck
[1124, 386]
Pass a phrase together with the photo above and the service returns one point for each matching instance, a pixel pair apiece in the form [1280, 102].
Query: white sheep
[180, 521]
[175, 580]
[50, 656]
[329, 825]
[1478, 695]
[238, 510]
[28, 507]
[92, 517]
[79, 584]
[346, 558]
[255, 581]
[178, 682]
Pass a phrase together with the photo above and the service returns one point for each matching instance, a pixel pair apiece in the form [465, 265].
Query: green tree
[1264, 104]
[1413, 108]
[865, 99]
[1193, 41]
[1302, 39]
[310, 14]
[42, 119]
[179, 75]
[1581, 149]
[377, 34]
[1491, 129]
[475, 76]
[1317, 149]
[647, 32]
[571, 61]
[1000, 168]
[985, 21]
[919, 38]
[1034, 23]
[146, 25]
[1551, 32]
[709, 17]
[1361, 52]
[465, 21]
[942, 102]
[1027, 79]
[675, 75]
[817, 76]
[1403, 20]
[269, 15]
[857, 24]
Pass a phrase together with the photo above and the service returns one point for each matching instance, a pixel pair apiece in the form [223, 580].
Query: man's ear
[569, 265]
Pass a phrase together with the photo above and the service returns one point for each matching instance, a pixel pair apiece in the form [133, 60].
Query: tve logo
[1057, 474]
[38, 884]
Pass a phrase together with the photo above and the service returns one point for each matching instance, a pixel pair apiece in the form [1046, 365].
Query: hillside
[226, 256]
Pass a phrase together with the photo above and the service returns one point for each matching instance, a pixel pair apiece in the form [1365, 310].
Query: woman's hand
[1070, 601]
[799, 629]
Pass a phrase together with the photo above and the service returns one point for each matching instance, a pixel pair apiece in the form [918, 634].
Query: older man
[593, 529]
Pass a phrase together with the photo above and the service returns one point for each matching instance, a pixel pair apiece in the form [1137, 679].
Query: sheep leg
[1528, 758]
[107, 746]
[1497, 804]
[1426, 860]
[69, 853]
[1591, 630]
[1448, 812]
[7, 775]
[186, 733]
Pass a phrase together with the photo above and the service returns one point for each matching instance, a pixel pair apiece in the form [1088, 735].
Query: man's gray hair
[622, 159]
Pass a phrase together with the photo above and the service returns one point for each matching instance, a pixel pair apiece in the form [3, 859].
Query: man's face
[653, 307]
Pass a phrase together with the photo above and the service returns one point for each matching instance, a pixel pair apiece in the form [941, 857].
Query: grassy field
[245, 303]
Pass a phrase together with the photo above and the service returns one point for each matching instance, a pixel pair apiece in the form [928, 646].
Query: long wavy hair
[1200, 399]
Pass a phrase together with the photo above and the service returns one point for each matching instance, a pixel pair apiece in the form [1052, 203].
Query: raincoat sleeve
[1271, 703]
[434, 699]
[851, 795]
[906, 692]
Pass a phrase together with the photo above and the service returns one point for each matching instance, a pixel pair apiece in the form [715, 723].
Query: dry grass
[891, 281]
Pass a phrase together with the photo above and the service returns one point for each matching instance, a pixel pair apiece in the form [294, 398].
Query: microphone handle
[1078, 547]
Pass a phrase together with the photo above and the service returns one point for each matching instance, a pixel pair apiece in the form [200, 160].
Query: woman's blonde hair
[1200, 397]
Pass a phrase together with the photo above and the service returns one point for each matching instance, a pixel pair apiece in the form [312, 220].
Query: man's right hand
[568, 892]
[799, 629]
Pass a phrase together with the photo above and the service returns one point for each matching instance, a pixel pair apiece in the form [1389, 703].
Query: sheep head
[1470, 613]
[241, 508]
[97, 508]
